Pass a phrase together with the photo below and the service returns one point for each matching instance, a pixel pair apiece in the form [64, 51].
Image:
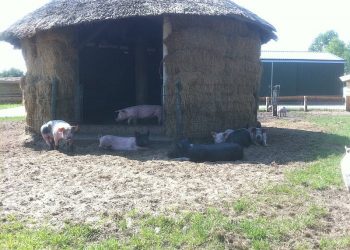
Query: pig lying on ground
[221, 136]
[345, 168]
[124, 143]
[258, 136]
[240, 136]
[207, 152]
[139, 112]
[282, 111]
[56, 130]
[244, 137]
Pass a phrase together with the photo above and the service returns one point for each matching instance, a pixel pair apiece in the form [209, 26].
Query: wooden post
[305, 103]
[347, 103]
[166, 32]
[267, 103]
[54, 87]
[274, 110]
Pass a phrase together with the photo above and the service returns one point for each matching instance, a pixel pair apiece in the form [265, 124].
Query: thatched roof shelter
[210, 46]
[61, 13]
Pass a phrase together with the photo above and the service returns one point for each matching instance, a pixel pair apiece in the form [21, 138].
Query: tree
[330, 42]
[322, 40]
[336, 47]
[12, 72]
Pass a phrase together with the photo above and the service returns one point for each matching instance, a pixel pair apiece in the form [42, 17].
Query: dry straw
[49, 55]
[217, 62]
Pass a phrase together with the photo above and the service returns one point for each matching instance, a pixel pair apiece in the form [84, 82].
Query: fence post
[267, 99]
[347, 103]
[305, 103]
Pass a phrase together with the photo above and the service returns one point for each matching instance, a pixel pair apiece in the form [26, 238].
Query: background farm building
[302, 73]
[83, 64]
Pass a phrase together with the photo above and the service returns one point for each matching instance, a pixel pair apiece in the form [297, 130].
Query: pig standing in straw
[345, 168]
[56, 130]
[139, 112]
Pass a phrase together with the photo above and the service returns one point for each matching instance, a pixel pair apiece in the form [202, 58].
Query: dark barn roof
[62, 13]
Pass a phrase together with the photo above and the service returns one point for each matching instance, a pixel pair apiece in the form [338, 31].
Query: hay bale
[217, 62]
[50, 55]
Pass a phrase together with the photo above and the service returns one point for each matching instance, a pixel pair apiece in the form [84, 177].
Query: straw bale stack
[219, 70]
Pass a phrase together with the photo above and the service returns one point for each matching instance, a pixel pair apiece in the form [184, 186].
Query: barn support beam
[54, 86]
[166, 32]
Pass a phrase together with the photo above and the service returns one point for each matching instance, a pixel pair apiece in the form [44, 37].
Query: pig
[56, 130]
[240, 136]
[282, 111]
[139, 141]
[221, 136]
[207, 152]
[139, 112]
[258, 135]
[345, 168]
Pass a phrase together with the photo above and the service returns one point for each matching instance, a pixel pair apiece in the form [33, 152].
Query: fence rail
[304, 99]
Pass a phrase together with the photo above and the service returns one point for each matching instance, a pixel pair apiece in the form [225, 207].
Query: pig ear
[60, 129]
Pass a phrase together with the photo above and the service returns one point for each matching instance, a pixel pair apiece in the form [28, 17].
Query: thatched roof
[62, 13]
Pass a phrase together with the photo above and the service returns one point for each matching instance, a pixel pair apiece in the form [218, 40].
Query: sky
[297, 22]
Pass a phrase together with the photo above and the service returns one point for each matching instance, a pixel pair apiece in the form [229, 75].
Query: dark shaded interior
[114, 58]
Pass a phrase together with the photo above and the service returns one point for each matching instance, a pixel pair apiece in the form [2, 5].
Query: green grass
[320, 175]
[324, 173]
[9, 105]
[192, 230]
[338, 124]
[273, 230]
[16, 235]
[338, 243]
[12, 119]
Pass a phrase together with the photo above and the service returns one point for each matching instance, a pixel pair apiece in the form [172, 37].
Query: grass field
[280, 215]
[14, 119]
[7, 105]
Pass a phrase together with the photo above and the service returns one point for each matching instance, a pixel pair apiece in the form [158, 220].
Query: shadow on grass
[284, 146]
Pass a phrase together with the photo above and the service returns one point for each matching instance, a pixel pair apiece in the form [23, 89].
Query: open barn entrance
[119, 66]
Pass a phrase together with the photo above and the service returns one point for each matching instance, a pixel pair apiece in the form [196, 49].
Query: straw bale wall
[217, 62]
[49, 55]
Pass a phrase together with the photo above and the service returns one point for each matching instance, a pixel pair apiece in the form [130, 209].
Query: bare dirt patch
[54, 187]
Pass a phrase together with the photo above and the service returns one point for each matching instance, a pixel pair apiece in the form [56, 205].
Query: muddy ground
[54, 187]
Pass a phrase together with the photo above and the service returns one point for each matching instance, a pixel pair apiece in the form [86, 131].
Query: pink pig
[139, 112]
[139, 141]
[56, 130]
